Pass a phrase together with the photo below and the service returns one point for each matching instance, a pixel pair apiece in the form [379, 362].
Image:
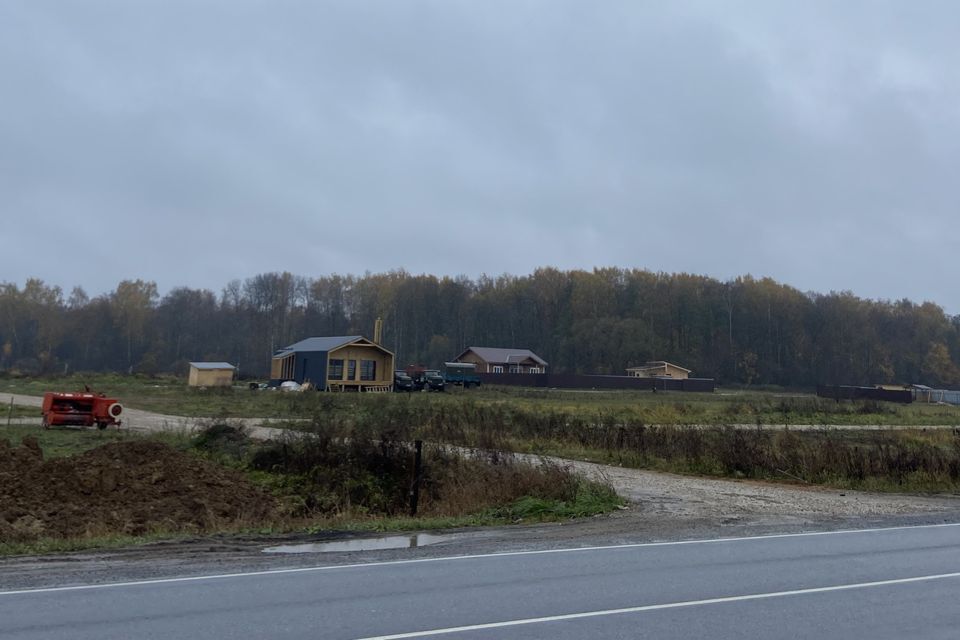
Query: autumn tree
[132, 304]
[746, 330]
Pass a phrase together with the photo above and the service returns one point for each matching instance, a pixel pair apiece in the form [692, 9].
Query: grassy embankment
[350, 478]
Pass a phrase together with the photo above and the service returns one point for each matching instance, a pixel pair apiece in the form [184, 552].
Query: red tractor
[80, 409]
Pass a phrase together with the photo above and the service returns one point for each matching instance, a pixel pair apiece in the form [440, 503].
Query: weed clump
[364, 466]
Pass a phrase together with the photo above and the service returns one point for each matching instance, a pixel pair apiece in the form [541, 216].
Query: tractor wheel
[101, 426]
[114, 410]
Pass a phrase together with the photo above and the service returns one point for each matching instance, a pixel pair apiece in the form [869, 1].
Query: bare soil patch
[129, 488]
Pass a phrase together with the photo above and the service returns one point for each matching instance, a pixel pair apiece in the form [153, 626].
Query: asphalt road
[879, 584]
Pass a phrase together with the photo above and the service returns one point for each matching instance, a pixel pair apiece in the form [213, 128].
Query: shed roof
[509, 356]
[212, 366]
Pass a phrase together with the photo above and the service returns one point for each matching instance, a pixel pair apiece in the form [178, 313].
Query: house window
[534, 370]
[497, 368]
[368, 370]
[336, 370]
[515, 369]
[351, 370]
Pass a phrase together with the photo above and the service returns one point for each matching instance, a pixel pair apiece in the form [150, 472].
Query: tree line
[747, 330]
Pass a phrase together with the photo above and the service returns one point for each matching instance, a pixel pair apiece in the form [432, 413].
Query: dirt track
[670, 495]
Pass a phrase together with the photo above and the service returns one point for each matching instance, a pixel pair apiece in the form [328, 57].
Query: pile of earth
[128, 488]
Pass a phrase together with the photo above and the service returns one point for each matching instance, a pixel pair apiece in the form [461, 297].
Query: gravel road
[670, 495]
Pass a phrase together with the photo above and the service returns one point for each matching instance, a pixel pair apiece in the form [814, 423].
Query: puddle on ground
[362, 544]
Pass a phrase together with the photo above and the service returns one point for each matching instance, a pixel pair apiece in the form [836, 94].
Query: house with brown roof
[659, 369]
[500, 360]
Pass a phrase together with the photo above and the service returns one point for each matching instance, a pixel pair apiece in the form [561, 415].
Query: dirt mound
[123, 487]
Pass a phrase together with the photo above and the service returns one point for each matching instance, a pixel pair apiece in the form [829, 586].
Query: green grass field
[13, 412]
[639, 429]
[67, 441]
[171, 395]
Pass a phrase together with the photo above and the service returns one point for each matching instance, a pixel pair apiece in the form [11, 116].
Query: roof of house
[658, 364]
[324, 343]
[509, 356]
[212, 365]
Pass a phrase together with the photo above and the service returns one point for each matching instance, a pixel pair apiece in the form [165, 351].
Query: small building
[659, 369]
[211, 374]
[499, 360]
[336, 363]
[923, 393]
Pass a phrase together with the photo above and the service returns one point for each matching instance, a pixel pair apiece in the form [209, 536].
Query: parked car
[425, 379]
[402, 382]
[433, 380]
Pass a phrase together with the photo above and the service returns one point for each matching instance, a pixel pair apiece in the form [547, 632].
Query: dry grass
[360, 470]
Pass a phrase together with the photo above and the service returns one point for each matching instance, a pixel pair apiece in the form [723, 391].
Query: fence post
[417, 472]
[10, 413]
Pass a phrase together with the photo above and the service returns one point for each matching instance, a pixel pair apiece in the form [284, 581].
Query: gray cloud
[812, 143]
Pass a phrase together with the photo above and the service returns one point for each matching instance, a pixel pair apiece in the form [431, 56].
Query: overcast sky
[191, 143]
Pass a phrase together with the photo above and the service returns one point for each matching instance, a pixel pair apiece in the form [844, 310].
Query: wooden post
[417, 472]
[10, 413]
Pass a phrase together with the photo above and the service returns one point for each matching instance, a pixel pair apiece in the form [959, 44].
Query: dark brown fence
[843, 392]
[578, 381]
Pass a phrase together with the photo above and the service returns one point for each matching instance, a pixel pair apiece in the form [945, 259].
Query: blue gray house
[335, 363]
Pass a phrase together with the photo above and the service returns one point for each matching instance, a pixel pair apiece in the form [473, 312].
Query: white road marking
[655, 607]
[501, 554]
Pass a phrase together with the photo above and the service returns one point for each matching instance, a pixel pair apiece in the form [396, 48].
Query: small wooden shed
[211, 374]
